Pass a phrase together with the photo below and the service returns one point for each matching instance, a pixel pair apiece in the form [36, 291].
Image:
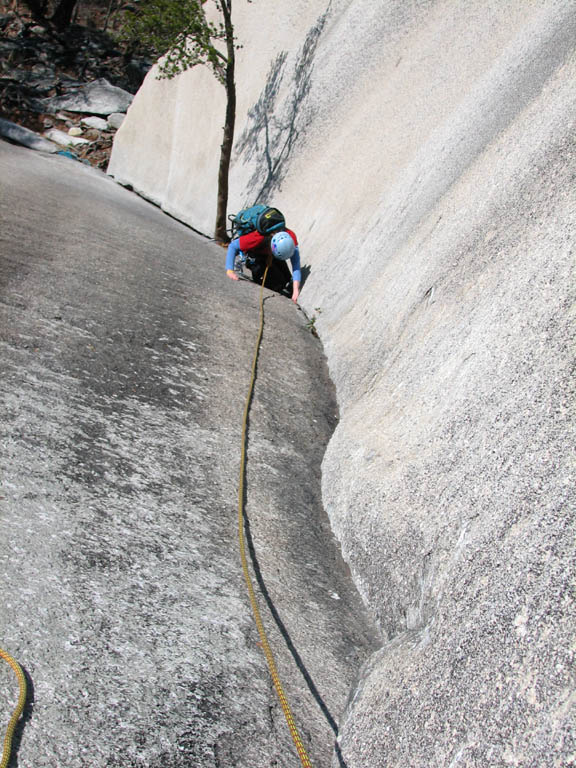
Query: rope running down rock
[302, 754]
[17, 710]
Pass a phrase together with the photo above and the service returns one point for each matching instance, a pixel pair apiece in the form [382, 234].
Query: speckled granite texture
[125, 363]
[424, 152]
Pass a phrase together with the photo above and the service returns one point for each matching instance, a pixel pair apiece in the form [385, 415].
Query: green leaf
[179, 31]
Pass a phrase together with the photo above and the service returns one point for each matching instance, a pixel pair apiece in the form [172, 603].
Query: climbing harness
[302, 754]
[18, 709]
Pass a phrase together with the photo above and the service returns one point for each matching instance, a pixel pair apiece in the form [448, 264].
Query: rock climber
[255, 249]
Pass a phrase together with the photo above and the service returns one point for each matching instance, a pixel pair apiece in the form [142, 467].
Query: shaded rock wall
[424, 152]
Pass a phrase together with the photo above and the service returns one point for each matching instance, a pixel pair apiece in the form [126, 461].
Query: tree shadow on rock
[274, 129]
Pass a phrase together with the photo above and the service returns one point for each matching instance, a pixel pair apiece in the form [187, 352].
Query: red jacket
[259, 244]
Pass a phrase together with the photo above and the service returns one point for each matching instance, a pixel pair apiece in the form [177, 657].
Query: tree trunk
[63, 14]
[220, 233]
[37, 8]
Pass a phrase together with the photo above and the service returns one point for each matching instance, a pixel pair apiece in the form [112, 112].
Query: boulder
[24, 136]
[64, 139]
[115, 120]
[95, 122]
[97, 98]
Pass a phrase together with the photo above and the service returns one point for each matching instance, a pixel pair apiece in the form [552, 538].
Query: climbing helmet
[282, 246]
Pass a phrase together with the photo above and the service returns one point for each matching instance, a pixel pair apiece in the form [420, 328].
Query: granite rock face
[125, 364]
[424, 154]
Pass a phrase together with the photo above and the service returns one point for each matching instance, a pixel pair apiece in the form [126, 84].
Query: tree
[179, 31]
[62, 17]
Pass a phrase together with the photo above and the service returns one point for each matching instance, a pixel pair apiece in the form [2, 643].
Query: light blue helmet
[282, 246]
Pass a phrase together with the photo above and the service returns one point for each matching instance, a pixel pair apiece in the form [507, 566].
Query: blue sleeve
[233, 251]
[295, 261]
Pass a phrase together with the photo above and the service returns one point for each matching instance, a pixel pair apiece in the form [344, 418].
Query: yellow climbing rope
[18, 709]
[302, 754]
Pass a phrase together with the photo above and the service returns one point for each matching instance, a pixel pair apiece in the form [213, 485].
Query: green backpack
[257, 218]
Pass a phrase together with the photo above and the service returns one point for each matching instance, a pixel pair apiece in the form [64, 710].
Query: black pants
[279, 277]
